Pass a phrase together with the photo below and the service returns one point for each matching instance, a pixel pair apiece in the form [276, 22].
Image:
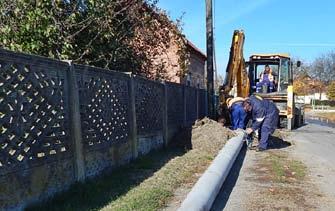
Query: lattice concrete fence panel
[175, 108]
[191, 105]
[36, 154]
[104, 110]
[202, 98]
[149, 103]
[175, 103]
[61, 123]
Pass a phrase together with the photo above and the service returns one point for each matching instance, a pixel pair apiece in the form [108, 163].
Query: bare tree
[302, 71]
[323, 68]
[323, 71]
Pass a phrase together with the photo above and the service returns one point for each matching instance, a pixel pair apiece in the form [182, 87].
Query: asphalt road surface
[313, 144]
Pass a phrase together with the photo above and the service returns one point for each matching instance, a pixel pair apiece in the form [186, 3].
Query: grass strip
[145, 184]
[283, 169]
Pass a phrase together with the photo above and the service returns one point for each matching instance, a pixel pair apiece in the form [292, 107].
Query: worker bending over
[238, 115]
[265, 115]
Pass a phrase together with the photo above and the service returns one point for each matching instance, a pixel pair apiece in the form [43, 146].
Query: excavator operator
[266, 81]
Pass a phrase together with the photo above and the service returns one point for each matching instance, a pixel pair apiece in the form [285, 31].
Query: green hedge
[324, 102]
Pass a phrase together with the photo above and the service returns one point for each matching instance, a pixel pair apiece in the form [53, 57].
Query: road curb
[204, 192]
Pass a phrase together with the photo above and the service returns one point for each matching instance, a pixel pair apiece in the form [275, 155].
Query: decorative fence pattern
[175, 101]
[202, 103]
[61, 123]
[104, 106]
[149, 106]
[191, 104]
[33, 113]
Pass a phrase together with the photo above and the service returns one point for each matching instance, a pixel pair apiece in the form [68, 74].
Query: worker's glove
[249, 130]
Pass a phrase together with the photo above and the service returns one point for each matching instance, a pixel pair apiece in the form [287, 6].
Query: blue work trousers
[238, 116]
[267, 128]
[259, 85]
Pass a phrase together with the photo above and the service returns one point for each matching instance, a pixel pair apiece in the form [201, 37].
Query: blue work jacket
[264, 113]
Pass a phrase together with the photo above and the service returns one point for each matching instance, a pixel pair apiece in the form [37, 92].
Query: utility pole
[209, 35]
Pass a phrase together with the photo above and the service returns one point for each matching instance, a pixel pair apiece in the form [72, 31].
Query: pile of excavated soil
[209, 135]
[206, 134]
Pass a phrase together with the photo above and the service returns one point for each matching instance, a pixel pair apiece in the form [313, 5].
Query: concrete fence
[61, 123]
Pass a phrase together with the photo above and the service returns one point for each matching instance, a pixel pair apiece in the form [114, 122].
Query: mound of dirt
[206, 134]
[209, 135]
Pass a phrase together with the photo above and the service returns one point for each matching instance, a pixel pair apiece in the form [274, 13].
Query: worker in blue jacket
[265, 115]
[238, 115]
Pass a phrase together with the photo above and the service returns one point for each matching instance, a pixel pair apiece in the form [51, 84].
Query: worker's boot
[259, 149]
[249, 141]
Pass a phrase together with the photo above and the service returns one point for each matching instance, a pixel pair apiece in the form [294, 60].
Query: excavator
[242, 77]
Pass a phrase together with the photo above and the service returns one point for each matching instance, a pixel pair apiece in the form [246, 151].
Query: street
[253, 183]
[315, 146]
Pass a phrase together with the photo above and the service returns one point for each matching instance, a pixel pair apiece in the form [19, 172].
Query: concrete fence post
[75, 124]
[132, 117]
[185, 107]
[198, 104]
[165, 115]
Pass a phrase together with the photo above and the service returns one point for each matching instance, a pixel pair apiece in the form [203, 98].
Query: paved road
[314, 145]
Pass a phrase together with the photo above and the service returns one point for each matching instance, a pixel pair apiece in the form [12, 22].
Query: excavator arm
[236, 83]
[236, 74]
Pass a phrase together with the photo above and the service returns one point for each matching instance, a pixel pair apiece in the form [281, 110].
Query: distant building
[195, 76]
[307, 99]
[196, 68]
[311, 89]
[166, 61]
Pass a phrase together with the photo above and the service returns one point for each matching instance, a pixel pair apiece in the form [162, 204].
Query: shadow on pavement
[277, 143]
[228, 186]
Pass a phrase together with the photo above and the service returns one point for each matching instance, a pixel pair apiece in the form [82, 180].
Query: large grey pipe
[208, 186]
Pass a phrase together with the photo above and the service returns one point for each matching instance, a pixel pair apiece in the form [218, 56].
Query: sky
[303, 28]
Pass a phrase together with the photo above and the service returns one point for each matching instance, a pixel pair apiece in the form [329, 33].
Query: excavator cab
[280, 70]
